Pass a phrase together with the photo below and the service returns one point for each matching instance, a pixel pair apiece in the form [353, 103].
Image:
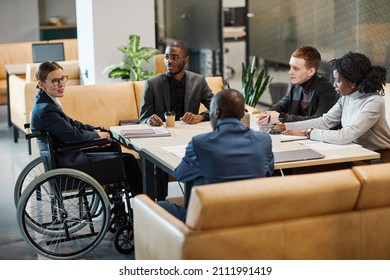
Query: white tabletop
[158, 147]
[16, 69]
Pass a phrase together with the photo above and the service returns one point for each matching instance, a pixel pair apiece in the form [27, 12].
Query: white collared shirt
[55, 99]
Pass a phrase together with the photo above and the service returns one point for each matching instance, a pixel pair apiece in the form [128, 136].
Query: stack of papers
[144, 132]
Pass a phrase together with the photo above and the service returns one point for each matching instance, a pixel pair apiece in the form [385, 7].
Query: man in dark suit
[177, 90]
[230, 152]
[310, 96]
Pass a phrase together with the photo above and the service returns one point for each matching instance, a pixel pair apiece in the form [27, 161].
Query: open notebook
[144, 132]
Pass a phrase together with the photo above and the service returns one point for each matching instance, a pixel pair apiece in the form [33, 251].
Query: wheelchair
[64, 213]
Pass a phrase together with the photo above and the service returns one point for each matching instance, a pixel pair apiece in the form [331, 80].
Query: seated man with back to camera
[230, 152]
[179, 91]
[310, 96]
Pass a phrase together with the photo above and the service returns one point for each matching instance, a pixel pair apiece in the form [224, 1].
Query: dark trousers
[161, 183]
[130, 168]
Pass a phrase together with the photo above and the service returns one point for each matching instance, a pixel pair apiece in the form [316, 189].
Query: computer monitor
[52, 51]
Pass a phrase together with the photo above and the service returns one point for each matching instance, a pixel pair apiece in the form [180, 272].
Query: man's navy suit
[231, 152]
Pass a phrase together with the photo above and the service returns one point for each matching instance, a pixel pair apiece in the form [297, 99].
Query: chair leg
[29, 146]
[16, 134]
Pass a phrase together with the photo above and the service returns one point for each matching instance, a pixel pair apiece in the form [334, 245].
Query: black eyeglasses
[63, 80]
[173, 57]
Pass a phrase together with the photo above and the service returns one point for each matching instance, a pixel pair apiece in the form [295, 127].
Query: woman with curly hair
[360, 110]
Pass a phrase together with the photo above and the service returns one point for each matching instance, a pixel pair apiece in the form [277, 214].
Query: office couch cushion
[139, 87]
[14, 53]
[375, 231]
[101, 104]
[3, 91]
[335, 236]
[375, 185]
[271, 199]
[159, 235]
[71, 69]
[262, 241]
[387, 102]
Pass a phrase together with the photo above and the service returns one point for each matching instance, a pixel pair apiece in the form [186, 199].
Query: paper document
[321, 146]
[143, 132]
[287, 138]
[177, 150]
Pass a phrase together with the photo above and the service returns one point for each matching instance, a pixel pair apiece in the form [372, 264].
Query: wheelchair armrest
[35, 134]
[83, 145]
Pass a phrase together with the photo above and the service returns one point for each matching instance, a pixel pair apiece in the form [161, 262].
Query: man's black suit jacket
[156, 97]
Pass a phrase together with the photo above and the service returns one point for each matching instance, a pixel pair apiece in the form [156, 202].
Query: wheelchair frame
[64, 213]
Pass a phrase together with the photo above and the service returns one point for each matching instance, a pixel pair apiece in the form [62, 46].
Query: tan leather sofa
[18, 53]
[338, 215]
[387, 102]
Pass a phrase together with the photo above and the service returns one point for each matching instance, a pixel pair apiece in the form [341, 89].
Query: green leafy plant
[131, 68]
[253, 88]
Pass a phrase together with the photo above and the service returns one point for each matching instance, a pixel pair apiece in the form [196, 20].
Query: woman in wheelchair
[86, 185]
[48, 116]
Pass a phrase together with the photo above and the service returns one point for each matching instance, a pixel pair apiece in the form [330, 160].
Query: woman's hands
[271, 117]
[282, 127]
[103, 134]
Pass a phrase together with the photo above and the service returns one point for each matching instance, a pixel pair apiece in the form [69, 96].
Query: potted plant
[131, 68]
[253, 88]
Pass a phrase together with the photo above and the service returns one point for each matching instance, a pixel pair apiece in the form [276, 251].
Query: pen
[269, 119]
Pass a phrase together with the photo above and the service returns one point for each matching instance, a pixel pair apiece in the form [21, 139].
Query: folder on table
[145, 132]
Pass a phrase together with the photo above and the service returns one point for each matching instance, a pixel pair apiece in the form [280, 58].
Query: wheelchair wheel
[29, 173]
[124, 240]
[117, 222]
[63, 214]
[119, 217]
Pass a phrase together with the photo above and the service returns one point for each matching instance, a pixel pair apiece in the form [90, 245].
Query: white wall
[103, 25]
[233, 3]
[63, 8]
[19, 21]
[85, 41]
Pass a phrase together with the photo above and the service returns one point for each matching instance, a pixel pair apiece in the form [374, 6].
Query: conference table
[166, 152]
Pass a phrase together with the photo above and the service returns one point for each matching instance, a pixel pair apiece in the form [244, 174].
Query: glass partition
[278, 27]
[199, 24]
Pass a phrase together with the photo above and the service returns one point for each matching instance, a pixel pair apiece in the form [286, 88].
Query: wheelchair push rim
[63, 214]
[28, 174]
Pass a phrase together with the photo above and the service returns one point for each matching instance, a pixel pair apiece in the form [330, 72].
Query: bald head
[228, 103]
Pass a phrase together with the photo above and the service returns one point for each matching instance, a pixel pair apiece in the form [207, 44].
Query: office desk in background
[157, 151]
